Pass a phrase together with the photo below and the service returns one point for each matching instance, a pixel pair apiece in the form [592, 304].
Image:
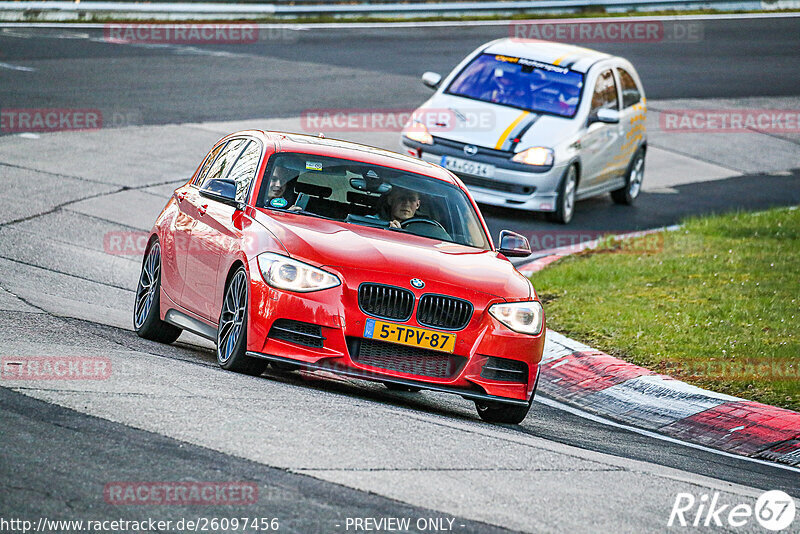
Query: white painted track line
[603, 421]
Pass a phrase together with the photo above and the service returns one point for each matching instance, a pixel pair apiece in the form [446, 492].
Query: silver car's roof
[574, 57]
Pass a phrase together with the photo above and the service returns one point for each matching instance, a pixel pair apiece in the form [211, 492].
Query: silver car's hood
[491, 125]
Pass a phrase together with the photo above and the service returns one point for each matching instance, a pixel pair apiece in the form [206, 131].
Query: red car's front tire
[498, 412]
[232, 329]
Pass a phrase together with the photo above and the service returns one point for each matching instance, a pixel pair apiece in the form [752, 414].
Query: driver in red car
[401, 205]
[280, 190]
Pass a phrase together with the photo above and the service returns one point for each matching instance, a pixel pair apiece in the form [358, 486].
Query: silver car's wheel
[147, 305]
[637, 175]
[633, 181]
[565, 203]
[232, 330]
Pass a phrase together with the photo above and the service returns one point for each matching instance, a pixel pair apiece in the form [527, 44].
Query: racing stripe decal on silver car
[516, 129]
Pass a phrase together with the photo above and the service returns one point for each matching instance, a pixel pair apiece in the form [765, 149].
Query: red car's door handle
[202, 209]
[181, 196]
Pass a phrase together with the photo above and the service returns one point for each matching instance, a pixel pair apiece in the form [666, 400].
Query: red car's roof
[290, 142]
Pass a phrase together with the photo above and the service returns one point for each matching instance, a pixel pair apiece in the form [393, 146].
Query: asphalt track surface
[56, 457]
[289, 72]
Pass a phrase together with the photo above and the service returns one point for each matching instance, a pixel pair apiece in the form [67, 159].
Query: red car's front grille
[405, 359]
[384, 301]
[440, 311]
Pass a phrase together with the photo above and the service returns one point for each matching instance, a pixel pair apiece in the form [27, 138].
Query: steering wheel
[423, 220]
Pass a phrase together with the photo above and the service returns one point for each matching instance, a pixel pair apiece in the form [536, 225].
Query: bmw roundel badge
[417, 283]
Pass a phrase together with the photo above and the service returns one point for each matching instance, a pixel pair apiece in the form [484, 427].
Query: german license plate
[474, 168]
[409, 335]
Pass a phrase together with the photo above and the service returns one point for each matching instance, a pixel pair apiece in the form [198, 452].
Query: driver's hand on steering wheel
[394, 224]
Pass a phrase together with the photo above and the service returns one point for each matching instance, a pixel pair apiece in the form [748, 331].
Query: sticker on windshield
[313, 165]
[507, 59]
[544, 66]
[532, 63]
[278, 202]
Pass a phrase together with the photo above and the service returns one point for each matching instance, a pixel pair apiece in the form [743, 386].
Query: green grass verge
[716, 303]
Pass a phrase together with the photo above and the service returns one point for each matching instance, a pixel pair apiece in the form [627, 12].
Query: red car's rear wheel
[147, 307]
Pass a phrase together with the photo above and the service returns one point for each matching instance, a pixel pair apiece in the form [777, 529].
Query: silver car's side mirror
[608, 116]
[432, 79]
[513, 245]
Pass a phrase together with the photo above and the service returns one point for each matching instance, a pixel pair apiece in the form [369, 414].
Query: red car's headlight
[522, 317]
[292, 275]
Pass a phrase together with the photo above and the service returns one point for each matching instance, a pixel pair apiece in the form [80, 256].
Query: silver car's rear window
[520, 83]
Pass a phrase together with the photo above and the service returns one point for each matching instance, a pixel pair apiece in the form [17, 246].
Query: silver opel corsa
[536, 125]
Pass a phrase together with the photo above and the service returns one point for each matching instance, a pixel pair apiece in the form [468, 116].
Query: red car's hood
[349, 246]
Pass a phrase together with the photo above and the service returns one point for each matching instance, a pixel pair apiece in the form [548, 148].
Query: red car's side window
[223, 162]
[244, 169]
[209, 161]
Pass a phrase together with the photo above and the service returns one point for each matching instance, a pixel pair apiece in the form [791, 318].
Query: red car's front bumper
[337, 339]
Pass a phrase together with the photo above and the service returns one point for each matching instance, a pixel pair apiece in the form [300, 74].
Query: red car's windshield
[358, 193]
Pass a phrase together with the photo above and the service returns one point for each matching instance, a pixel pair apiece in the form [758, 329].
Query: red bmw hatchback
[311, 253]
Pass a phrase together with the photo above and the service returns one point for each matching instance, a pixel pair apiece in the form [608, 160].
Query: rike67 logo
[774, 510]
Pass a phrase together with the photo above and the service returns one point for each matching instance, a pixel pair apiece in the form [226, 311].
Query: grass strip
[716, 303]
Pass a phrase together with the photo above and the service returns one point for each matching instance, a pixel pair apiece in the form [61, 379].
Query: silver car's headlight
[538, 156]
[522, 317]
[417, 131]
[292, 275]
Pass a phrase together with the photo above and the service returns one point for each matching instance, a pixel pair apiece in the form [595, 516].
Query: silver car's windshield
[370, 195]
[521, 83]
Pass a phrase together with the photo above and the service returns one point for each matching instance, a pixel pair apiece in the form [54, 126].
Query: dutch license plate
[474, 168]
[409, 335]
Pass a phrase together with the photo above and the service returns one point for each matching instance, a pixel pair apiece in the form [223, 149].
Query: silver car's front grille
[497, 186]
[481, 150]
